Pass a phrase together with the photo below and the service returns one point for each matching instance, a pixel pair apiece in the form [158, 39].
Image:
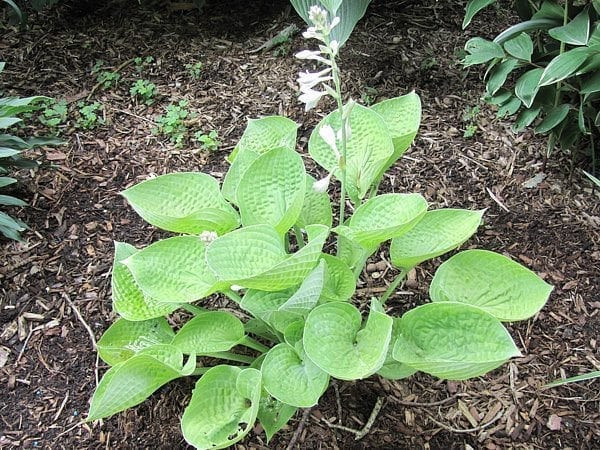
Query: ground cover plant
[299, 327]
[554, 56]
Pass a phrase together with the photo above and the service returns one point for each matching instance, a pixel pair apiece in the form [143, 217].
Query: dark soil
[63, 268]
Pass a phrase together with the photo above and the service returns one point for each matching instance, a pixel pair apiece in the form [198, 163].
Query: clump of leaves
[172, 123]
[470, 119]
[108, 78]
[89, 115]
[368, 95]
[141, 63]
[54, 114]
[208, 141]
[235, 239]
[144, 90]
[194, 70]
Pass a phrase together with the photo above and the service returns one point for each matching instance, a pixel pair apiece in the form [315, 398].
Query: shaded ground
[64, 268]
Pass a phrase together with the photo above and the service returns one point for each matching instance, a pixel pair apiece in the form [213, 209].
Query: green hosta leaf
[525, 27]
[521, 47]
[273, 415]
[402, 115]
[272, 189]
[316, 208]
[124, 339]
[234, 175]
[254, 257]
[351, 253]
[368, 150]
[7, 181]
[492, 282]
[453, 341]
[509, 108]
[6, 122]
[262, 304]
[576, 32]
[473, 7]
[214, 331]
[526, 118]
[131, 382]
[187, 202]
[11, 201]
[527, 86]
[392, 369]
[591, 84]
[383, 217]
[129, 301]
[291, 379]
[564, 65]
[550, 10]
[502, 97]
[223, 407]
[481, 51]
[554, 118]
[339, 280]
[334, 340]
[173, 270]
[499, 75]
[438, 232]
[6, 152]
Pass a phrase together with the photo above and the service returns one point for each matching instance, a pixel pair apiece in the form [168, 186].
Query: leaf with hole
[273, 415]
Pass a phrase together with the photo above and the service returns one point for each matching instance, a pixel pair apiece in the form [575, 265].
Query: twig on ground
[467, 430]
[338, 400]
[439, 402]
[298, 431]
[500, 204]
[359, 434]
[81, 319]
[24, 346]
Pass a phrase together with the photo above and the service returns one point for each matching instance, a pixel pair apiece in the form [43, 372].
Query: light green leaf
[392, 369]
[6, 152]
[273, 415]
[210, 332]
[492, 282]
[575, 379]
[7, 181]
[292, 379]
[334, 341]
[576, 32]
[254, 257]
[368, 149]
[262, 304]
[521, 47]
[554, 117]
[129, 301]
[438, 232]
[499, 74]
[453, 341]
[481, 51]
[272, 189]
[233, 176]
[527, 86]
[6, 122]
[473, 7]
[564, 65]
[316, 208]
[123, 339]
[223, 407]
[11, 201]
[173, 270]
[383, 217]
[131, 382]
[187, 202]
[351, 253]
[339, 280]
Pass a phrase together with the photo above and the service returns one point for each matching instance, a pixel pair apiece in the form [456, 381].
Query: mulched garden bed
[54, 289]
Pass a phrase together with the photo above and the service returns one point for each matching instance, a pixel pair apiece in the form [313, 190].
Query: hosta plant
[264, 239]
[553, 60]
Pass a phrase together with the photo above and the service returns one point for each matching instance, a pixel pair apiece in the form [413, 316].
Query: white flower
[321, 186]
[312, 54]
[334, 23]
[208, 236]
[317, 15]
[310, 98]
[334, 46]
[309, 77]
[328, 135]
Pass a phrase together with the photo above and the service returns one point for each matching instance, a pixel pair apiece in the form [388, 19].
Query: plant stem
[392, 287]
[195, 310]
[231, 294]
[299, 237]
[231, 356]
[254, 345]
[200, 371]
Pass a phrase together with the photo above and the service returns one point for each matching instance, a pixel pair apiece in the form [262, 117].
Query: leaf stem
[195, 310]
[231, 294]
[200, 370]
[231, 357]
[299, 236]
[392, 287]
[254, 345]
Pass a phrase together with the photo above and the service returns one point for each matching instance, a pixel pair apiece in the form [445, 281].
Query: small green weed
[172, 123]
[108, 78]
[144, 91]
[194, 70]
[368, 95]
[208, 141]
[470, 118]
[54, 114]
[89, 115]
[97, 67]
[141, 63]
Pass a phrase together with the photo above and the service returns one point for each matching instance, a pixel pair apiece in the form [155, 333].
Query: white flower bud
[321, 186]
[317, 15]
[310, 98]
[208, 236]
[334, 23]
[312, 54]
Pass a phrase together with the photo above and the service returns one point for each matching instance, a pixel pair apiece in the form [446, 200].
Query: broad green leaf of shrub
[339, 280]
[576, 32]
[273, 414]
[473, 7]
[187, 202]
[492, 282]
[481, 51]
[591, 84]
[316, 208]
[521, 47]
[350, 252]
[453, 341]
[123, 339]
[292, 379]
[564, 65]
[272, 189]
[173, 270]
[131, 382]
[554, 117]
[129, 301]
[223, 407]
[499, 74]
[438, 232]
[392, 369]
[335, 340]
[210, 332]
[383, 217]
[254, 257]
[262, 304]
[234, 175]
[527, 86]
[526, 118]
[402, 115]
[368, 149]
[509, 108]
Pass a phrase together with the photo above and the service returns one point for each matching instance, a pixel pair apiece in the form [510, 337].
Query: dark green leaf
[509, 108]
[499, 75]
[550, 10]
[525, 118]
[481, 51]
[524, 27]
[527, 86]
[576, 32]
[473, 7]
[564, 65]
[555, 117]
[521, 47]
